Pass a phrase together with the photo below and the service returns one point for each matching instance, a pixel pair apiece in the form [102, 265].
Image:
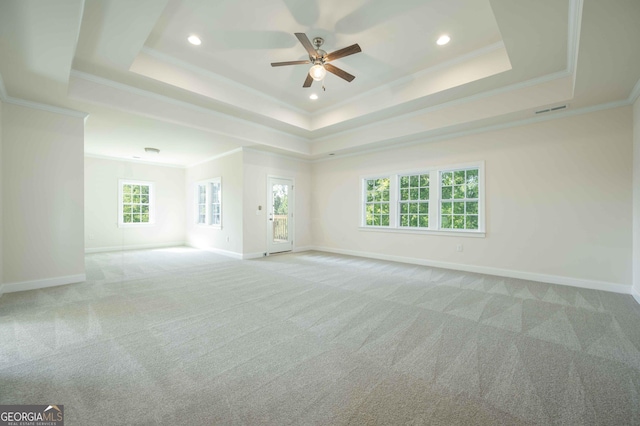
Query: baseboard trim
[228, 253]
[44, 283]
[133, 247]
[303, 248]
[248, 256]
[636, 294]
[509, 273]
[258, 255]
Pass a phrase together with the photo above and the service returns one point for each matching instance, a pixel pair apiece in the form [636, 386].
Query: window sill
[469, 234]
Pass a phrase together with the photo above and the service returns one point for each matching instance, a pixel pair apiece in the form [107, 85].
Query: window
[459, 199]
[209, 203]
[215, 203]
[377, 202]
[414, 201]
[441, 200]
[136, 203]
[202, 204]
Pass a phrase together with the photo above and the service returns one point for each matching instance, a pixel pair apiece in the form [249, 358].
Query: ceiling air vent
[555, 108]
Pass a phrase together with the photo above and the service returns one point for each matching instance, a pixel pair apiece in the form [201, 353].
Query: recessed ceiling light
[195, 40]
[313, 97]
[444, 39]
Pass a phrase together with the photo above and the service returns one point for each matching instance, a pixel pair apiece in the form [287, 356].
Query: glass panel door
[280, 215]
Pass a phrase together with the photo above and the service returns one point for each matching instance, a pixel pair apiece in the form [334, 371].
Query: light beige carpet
[181, 336]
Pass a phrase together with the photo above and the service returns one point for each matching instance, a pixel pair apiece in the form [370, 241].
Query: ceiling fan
[321, 59]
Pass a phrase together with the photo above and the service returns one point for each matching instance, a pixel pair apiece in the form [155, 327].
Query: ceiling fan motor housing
[320, 54]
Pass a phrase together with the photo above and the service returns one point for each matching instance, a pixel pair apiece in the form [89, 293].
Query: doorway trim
[292, 219]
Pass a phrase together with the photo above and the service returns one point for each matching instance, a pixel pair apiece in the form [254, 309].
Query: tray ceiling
[118, 60]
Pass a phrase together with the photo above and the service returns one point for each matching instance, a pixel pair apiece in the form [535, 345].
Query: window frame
[208, 184]
[199, 204]
[434, 201]
[121, 203]
[464, 200]
[410, 201]
[363, 201]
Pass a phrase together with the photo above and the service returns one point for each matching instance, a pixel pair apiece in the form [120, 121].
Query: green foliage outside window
[135, 203]
[377, 202]
[414, 201]
[459, 199]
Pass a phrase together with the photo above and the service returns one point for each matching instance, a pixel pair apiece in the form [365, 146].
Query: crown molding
[220, 79]
[4, 97]
[45, 107]
[495, 127]
[455, 102]
[133, 160]
[215, 157]
[277, 155]
[248, 149]
[182, 104]
[416, 76]
[574, 26]
[573, 37]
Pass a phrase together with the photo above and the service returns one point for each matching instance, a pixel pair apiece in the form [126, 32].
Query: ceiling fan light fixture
[194, 39]
[317, 72]
[443, 39]
[321, 60]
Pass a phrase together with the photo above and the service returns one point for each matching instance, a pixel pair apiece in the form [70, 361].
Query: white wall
[228, 239]
[43, 197]
[636, 199]
[558, 196]
[101, 205]
[257, 166]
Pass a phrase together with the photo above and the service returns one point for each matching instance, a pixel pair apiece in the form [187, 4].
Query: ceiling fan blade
[350, 50]
[281, 64]
[308, 81]
[306, 43]
[340, 73]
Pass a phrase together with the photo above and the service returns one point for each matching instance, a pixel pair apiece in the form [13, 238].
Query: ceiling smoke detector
[152, 150]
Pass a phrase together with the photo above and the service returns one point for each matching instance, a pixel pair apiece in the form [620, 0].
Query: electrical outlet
[459, 247]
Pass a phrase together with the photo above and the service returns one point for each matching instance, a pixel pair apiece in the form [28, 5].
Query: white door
[280, 215]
